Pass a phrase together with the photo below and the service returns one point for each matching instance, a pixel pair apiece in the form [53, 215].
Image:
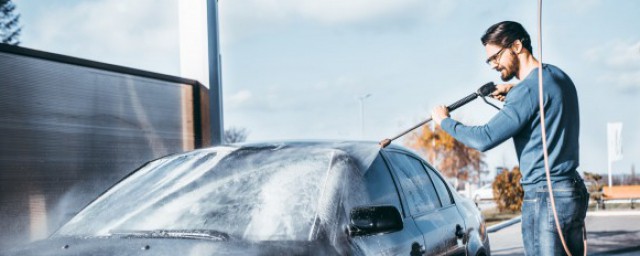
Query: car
[484, 193]
[284, 198]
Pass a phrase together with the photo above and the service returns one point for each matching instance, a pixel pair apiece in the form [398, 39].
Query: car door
[423, 203]
[381, 190]
[456, 222]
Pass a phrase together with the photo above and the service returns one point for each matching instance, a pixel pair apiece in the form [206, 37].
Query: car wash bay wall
[70, 128]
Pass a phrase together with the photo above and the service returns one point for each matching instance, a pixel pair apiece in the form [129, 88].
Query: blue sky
[294, 69]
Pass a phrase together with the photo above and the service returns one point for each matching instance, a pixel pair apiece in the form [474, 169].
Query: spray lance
[482, 92]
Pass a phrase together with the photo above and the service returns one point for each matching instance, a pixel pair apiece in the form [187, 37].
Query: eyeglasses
[496, 57]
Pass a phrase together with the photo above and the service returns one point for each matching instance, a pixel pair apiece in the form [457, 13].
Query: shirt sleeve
[515, 114]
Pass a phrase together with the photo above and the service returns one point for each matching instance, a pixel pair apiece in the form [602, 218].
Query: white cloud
[620, 64]
[327, 11]
[341, 12]
[240, 18]
[141, 33]
[238, 98]
[580, 6]
[617, 54]
[627, 82]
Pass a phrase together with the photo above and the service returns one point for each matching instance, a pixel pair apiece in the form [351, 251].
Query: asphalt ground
[608, 233]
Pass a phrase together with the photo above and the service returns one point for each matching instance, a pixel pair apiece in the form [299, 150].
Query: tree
[450, 156]
[507, 191]
[235, 135]
[9, 23]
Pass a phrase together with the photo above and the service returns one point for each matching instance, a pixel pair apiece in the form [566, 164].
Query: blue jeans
[539, 232]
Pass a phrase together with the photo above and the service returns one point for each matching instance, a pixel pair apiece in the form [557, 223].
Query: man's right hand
[501, 91]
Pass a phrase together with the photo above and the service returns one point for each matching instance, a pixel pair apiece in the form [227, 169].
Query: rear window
[417, 186]
[441, 187]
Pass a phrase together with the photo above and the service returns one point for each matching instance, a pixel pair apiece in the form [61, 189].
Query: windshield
[254, 194]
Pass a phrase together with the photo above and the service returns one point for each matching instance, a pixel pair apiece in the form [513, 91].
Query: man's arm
[516, 113]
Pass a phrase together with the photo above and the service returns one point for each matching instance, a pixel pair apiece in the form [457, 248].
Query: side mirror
[373, 220]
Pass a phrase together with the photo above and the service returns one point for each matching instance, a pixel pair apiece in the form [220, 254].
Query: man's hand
[439, 113]
[501, 91]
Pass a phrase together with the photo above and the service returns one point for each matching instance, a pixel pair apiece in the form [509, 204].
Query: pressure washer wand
[483, 91]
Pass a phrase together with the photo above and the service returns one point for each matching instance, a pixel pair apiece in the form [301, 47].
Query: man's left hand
[439, 113]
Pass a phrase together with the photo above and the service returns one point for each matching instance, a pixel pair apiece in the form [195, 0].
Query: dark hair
[505, 33]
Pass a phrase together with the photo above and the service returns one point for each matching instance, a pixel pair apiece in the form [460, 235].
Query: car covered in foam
[283, 198]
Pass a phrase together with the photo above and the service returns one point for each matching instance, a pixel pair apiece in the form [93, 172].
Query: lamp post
[362, 98]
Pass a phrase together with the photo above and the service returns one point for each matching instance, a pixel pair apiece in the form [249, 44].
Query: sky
[296, 69]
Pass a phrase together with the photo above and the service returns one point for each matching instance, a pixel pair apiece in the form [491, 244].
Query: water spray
[482, 92]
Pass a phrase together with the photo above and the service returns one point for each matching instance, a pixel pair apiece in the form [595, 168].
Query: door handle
[459, 231]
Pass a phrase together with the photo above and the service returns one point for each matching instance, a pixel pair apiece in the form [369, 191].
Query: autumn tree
[9, 27]
[596, 186]
[507, 191]
[450, 156]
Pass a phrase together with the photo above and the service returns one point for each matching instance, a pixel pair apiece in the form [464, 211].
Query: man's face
[502, 60]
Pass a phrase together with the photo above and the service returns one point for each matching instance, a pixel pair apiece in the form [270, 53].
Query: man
[509, 52]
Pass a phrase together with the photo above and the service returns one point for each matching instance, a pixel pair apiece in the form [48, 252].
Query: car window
[443, 191]
[231, 193]
[380, 186]
[416, 184]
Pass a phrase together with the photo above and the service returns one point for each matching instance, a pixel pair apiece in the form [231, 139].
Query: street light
[362, 98]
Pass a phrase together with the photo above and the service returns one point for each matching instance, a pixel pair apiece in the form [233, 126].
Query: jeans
[539, 232]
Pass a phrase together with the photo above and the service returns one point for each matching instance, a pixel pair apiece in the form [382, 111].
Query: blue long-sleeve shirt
[520, 119]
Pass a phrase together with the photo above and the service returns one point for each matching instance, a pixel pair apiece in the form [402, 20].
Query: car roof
[362, 152]
[316, 143]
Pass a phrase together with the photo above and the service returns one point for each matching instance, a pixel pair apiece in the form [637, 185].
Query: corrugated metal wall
[70, 128]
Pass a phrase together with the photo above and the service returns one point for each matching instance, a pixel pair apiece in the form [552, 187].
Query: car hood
[165, 246]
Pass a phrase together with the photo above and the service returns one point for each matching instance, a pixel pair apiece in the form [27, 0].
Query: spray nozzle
[486, 89]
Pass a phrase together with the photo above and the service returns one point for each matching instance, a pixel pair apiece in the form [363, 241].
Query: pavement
[608, 233]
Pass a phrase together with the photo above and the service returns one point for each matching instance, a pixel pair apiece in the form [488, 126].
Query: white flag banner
[614, 141]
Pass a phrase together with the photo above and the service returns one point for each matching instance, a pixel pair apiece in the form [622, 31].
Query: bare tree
[235, 135]
[9, 23]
